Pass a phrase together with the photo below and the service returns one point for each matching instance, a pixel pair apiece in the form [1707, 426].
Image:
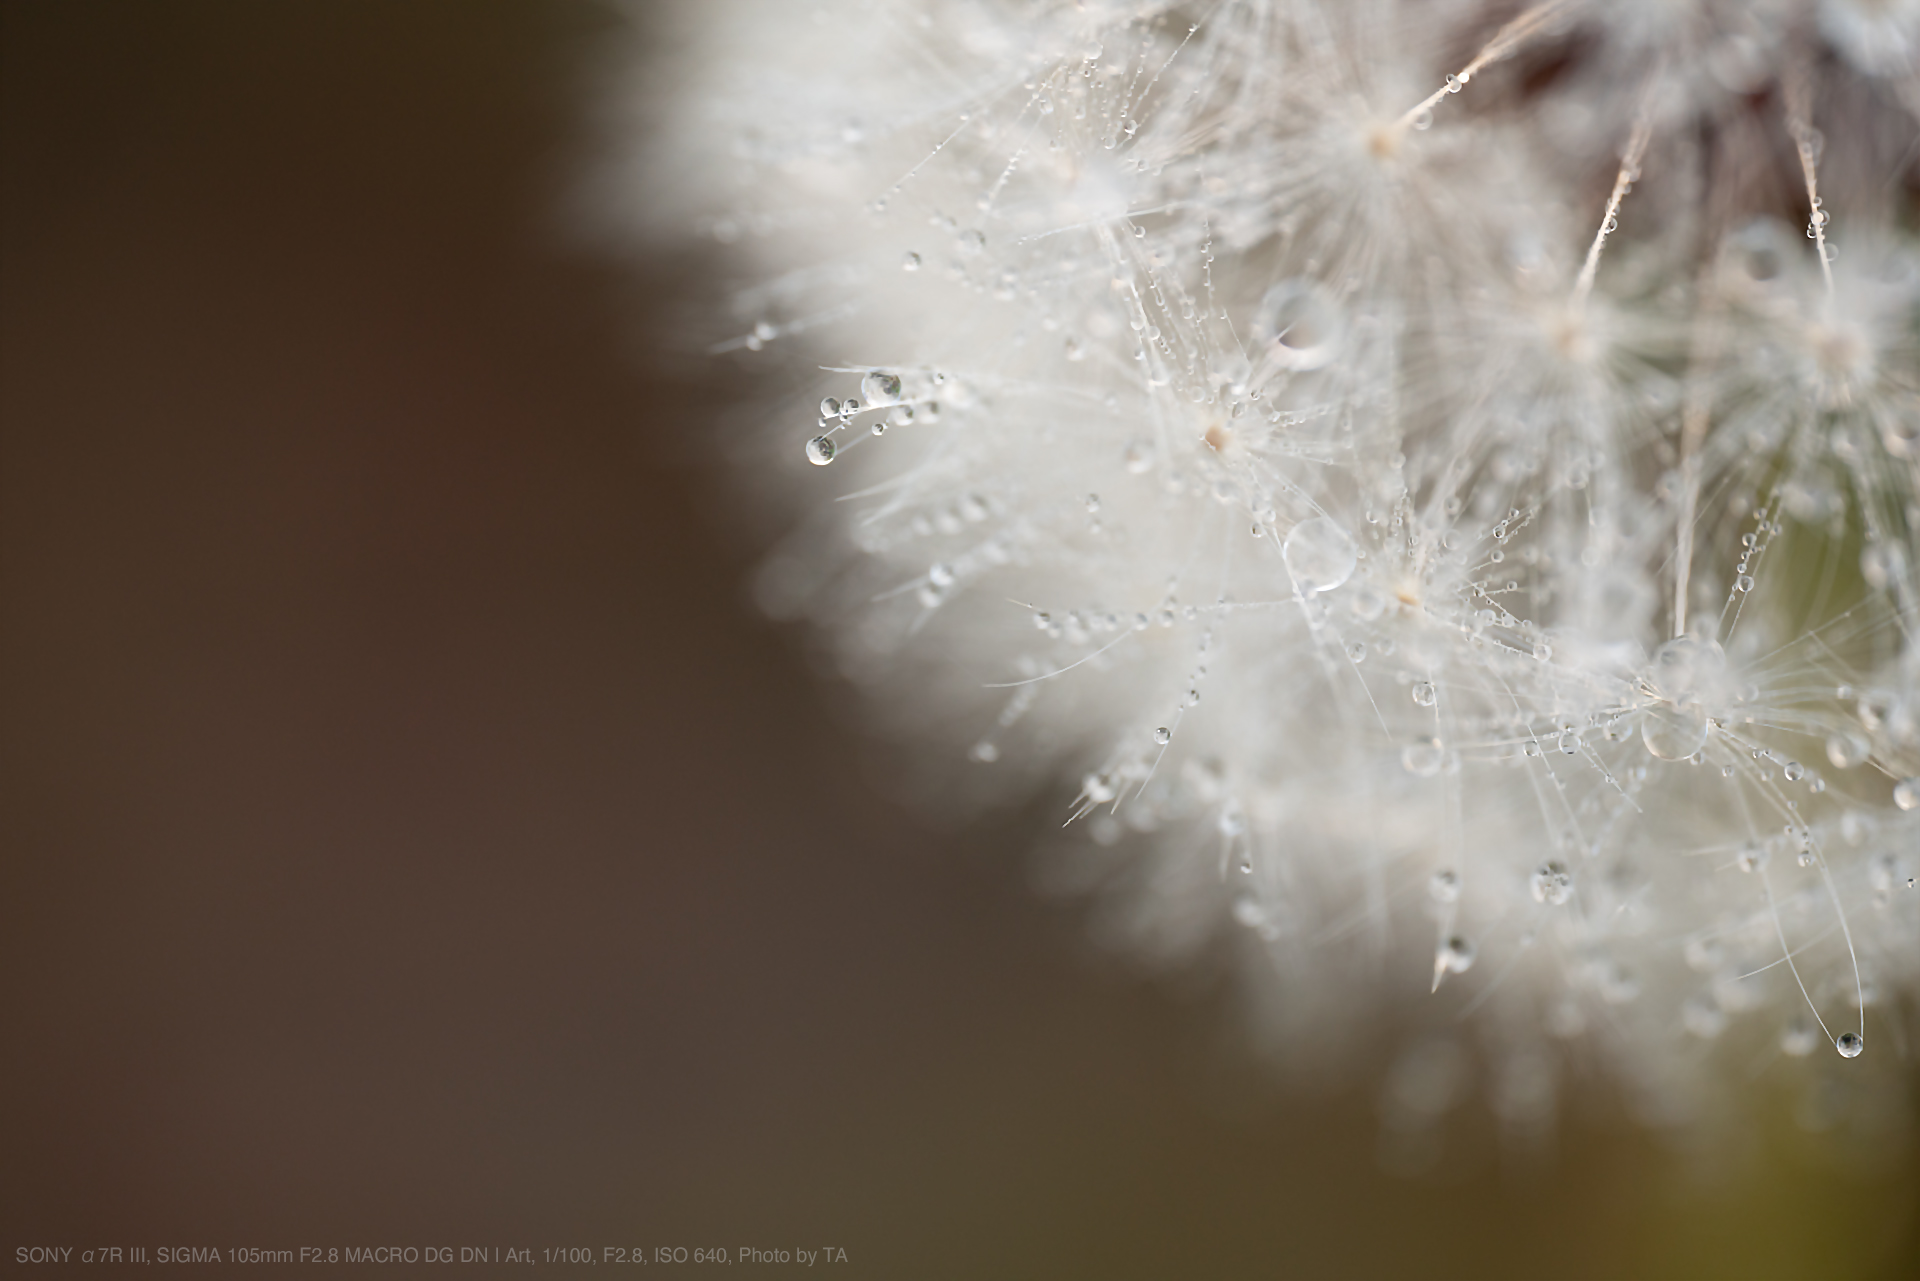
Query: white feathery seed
[1431, 488]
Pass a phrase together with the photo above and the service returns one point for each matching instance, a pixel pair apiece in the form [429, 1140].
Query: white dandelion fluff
[1432, 489]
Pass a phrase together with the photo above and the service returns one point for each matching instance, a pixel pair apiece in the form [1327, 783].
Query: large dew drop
[1674, 733]
[1299, 325]
[1319, 555]
[880, 388]
[820, 450]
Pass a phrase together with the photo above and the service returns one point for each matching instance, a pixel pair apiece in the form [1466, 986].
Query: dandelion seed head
[1395, 474]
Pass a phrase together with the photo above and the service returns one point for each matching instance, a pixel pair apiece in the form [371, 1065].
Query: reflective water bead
[820, 451]
[1423, 693]
[1673, 733]
[940, 575]
[1457, 955]
[1318, 554]
[1357, 652]
[1794, 771]
[1423, 757]
[1552, 883]
[1444, 886]
[1906, 793]
[1846, 749]
[1849, 1045]
[829, 408]
[1752, 857]
[880, 387]
[911, 262]
[1163, 736]
[1798, 1038]
[1744, 583]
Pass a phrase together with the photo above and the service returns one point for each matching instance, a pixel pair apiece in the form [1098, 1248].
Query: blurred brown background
[411, 837]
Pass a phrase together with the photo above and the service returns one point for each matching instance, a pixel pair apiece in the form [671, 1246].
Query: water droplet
[1423, 757]
[848, 408]
[1752, 857]
[1444, 886]
[1552, 883]
[829, 408]
[1849, 1045]
[1319, 554]
[820, 451]
[1299, 325]
[1673, 733]
[1453, 83]
[1456, 956]
[1798, 1038]
[1846, 749]
[1423, 120]
[1163, 736]
[1794, 771]
[1542, 651]
[940, 575]
[1357, 652]
[1906, 793]
[1423, 693]
[1743, 583]
[880, 388]
[911, 262]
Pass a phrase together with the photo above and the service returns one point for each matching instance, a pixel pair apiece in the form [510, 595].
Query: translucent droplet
[1743, 583]
[820, 451]
[911, 262]
[1552, 883]
[1798, 1038]
[1163, 736]
[1906, 793]
[1139, 457]
[1319, 554]
[1444, 886]
[1673, 733]
[1299, 325]
[829, 408]
[1542, 651]
[1849, 1045]
[1423, 120]
[1423, 693]
[1357, 652]
[848, 408]
[880, 388]
[1752, 857]
[1794, 771]
[1846, 749]
[1456, 955]
[1423, 757]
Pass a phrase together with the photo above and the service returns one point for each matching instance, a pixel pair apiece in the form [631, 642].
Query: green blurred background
[411, 836]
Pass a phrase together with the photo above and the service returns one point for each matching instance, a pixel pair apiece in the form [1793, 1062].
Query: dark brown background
[411, 837]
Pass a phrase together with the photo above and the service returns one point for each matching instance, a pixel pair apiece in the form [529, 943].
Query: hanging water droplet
[848, 408]
[1906, 793]
[1444, 886]
[1849, 1045]
[820, 451]
[829, 408]
[1423, 693]
[1423, 757]
[1357, 652]
[1794, 771]
[1798, 1038]
[1163, 736]
[1299, 325]
[1846, 749]
[1542, 651]
[1673, 733]
[1456, 956]
[1744, 583]
[880, 387]
[940, 575]
[1319, 555]
[1552, 883]
[911, 262]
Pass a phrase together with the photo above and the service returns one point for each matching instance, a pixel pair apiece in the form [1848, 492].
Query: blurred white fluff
[1448, 538]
